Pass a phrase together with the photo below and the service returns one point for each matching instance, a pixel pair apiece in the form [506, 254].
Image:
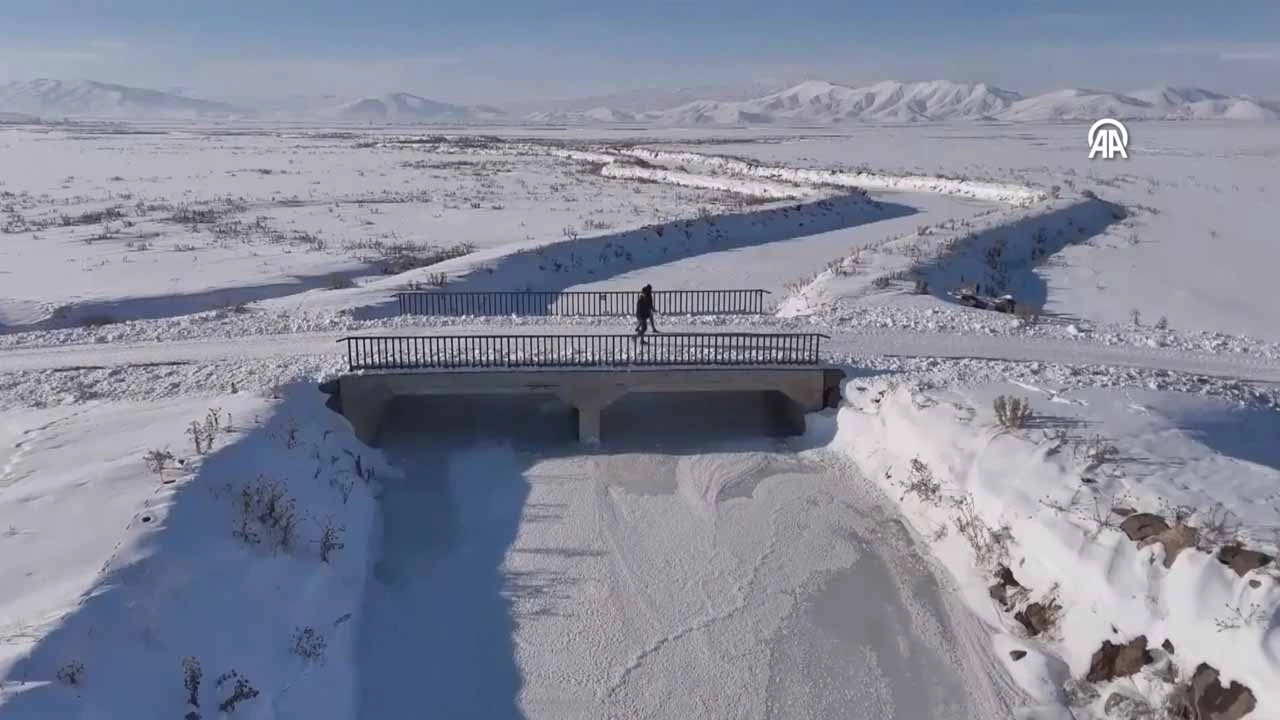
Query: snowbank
[977, 189]
[761, 189]
[194, 573]
[1059, 518]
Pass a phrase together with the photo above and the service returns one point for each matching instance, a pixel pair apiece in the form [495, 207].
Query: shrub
[240, 688]
[157, 460]
[191, 677]
[200, 436]
[1097, 452]
[266, 512]
[309, 644]
[990, 545]
[71, 674]
[330, 539]
[921, 483]
[1012, 413]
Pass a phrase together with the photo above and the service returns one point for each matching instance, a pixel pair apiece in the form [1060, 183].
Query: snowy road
[746, 581]
[844, 345]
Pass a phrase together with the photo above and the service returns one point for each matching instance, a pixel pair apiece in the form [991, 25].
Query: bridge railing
[430, 352]
[580, 303]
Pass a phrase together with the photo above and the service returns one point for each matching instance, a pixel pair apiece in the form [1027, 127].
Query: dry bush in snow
[330, 539]
[1012, 413]
[71, 674]
[990, 545]
[1238, 617]
[191, 677]
[265, 512]
[308, 644]
[240, 689]
[1218, 527]
[200, 436]
[921, 483]
[1096, 452]
[157, 460]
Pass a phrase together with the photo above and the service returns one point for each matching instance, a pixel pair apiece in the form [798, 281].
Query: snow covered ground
[671, 575]
[679, 572]
[170, 222]
[1196, 245]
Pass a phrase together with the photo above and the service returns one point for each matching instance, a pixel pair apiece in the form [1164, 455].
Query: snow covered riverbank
[136, 582]
[1051, 516]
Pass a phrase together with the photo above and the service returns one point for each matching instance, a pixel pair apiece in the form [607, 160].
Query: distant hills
[813, 102]
[408, 108]
[55, 99]
[823, 103]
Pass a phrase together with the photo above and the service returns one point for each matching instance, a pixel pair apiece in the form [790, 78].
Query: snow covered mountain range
[813, 102]
[818, 102]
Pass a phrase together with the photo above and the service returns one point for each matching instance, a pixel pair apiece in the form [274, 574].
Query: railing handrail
[574, 292]
[491, 336]
[410, 352]
[579, 303]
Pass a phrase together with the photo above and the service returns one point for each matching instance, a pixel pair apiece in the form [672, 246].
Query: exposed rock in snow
[1241, 560]
[1112, 661]
[1141, 526]
[1209, 700]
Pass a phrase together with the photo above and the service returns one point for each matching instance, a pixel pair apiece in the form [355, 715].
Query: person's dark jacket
[644, 306]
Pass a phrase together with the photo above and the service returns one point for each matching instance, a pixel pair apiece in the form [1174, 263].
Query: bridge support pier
[590, 400]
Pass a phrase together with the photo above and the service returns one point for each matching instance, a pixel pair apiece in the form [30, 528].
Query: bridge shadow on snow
[563, 264]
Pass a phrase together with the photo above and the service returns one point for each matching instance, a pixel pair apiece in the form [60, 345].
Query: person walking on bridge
[644, 313]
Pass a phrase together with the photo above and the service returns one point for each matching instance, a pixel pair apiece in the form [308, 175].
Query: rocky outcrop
[1141, 526]
[1241, 560]
[1112, 661]
[1037, 617]
[1005, 588]
[1204, 698]
[1174, 539]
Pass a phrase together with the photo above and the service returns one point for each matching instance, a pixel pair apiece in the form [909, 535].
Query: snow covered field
[1196, 246]
[149, 277]
[170, 222]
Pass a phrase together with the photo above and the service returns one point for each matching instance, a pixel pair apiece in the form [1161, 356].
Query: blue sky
[514, 50]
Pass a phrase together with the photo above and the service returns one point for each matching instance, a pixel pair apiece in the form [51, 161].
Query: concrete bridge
[586, 372]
